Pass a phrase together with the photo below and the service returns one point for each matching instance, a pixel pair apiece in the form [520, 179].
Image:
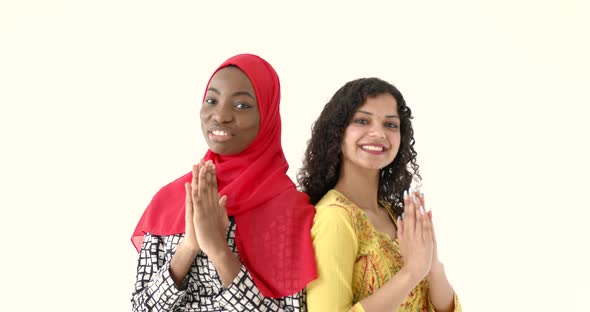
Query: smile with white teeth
[219, 132]
[372, 148]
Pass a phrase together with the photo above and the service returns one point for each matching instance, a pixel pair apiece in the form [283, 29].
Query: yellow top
[354, 260]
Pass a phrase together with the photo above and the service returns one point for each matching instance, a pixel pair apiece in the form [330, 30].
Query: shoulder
[335, 223]
[335, 202]
[335, 208]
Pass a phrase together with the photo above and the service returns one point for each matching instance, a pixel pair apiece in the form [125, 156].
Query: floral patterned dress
[354, 260]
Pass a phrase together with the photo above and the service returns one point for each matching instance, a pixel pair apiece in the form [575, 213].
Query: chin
[223, 151]
[371, 166]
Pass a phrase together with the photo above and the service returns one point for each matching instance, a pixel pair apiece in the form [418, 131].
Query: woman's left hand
[210, 214]
[435, 261]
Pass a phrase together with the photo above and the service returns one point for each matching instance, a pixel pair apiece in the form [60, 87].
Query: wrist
[221, 255]
[188, 248]
[411, 276]
[437, 269]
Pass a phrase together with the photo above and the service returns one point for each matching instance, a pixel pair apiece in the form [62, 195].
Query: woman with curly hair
[374, 243]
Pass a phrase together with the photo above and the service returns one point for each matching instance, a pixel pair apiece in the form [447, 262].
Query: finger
[419, 219]
[188, 204]
[409, 217]
[399, 229]
[422, 202]
[214, 179]
[213, 192]
[208, 175]
[210, 195]
[427, 229]
[222, 206]
[194, 188]
[194, 180]
[202, 180]
[432, 226]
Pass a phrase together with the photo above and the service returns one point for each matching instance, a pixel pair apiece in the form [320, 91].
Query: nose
[223, 112]
[376, 131]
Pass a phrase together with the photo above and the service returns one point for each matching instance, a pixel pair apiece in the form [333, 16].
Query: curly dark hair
[323, 157]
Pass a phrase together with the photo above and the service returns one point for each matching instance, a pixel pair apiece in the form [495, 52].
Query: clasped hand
[416, 237]
[206, 220]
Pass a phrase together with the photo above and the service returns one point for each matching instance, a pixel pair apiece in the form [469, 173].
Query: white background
[99, 109]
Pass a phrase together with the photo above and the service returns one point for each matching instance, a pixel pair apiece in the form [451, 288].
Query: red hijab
[273, 219]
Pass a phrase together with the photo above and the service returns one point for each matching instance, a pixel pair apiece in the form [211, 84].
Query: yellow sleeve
[335, 244]
[456, 301]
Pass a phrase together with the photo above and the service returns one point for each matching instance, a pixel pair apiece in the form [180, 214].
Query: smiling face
[372, 138]
[229, 115]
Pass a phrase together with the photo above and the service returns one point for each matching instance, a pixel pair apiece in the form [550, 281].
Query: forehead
[381, 104]
[231, 78]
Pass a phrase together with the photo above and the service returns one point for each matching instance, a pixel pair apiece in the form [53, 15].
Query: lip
[384, 149]
[216, 137]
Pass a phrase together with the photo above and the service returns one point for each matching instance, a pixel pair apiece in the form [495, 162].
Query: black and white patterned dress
[155, 290]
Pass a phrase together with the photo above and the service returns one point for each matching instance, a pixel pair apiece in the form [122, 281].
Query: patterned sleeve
[154, 287]
[243, 295]
[456, 302]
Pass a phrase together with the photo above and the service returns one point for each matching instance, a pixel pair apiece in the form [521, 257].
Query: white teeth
[372, 148]
[219, 132]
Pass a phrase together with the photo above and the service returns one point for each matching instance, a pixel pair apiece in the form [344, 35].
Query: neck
[359, 185]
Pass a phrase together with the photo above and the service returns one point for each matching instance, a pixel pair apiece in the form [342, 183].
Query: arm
[155, 289]
[243, 295]
[335, 245]
[210, 221]
[440, 291]
[227, 265]
[210, 224]
[188, 248]
[416, 248]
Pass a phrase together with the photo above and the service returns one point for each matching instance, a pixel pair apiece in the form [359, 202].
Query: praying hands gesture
[206, 215]
[415, 235]
[206, 225]
[420, 252]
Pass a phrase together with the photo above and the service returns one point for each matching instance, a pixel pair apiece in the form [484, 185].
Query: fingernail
[422, 210]
[402, 215]
[405, 194]
[399, 218]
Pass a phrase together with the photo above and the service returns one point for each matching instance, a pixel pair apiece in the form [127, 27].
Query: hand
[190, 237]
[435, 261]
[414, 234]
[210, 214]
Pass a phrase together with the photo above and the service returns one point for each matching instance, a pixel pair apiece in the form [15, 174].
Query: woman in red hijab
[234, 233]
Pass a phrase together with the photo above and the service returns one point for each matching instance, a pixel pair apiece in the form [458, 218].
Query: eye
[241, 105]
[360, 121]
[391, 125]
[210, 101]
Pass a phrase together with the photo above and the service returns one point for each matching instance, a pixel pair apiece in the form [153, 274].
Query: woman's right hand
[414, 234]
[188, 248]
[190, 237]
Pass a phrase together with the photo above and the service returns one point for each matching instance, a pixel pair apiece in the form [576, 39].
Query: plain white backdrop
[99, 109]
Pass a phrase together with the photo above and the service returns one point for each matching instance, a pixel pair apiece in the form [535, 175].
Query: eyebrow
[238, 93]
[386, 116]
